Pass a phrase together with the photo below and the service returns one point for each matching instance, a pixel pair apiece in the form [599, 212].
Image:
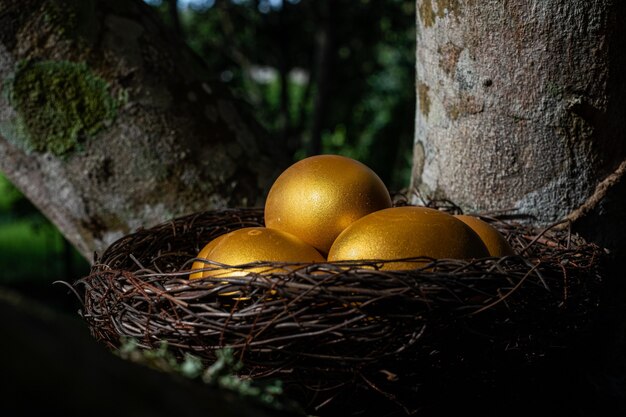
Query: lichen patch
[449, 57]
[448, 7]
[428, 13]
[59, 104]
[465, 105]
[424, 99]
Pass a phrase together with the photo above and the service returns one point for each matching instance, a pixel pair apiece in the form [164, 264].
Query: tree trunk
[107, 123]
[520, 105]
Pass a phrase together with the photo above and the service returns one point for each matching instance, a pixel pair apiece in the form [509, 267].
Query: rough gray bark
[520, 104]
[107, 123]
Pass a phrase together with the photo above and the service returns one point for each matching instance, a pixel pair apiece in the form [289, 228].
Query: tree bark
[107, 123]
[519, 104]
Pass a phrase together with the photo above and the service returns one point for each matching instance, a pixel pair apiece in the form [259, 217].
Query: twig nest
[204, 254]
[329, 328]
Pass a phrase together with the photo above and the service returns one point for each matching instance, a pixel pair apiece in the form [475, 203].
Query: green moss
[59, 104]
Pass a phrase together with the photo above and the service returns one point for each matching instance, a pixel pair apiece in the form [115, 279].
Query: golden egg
[406, 232]
[253, 244]
[316, 198]
[494, 241]
[203, 254]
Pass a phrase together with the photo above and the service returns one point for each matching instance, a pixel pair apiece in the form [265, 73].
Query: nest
[346, 330]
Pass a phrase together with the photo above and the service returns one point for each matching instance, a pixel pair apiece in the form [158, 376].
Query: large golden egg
[318, 197]
[253, 244]
[494, 241]
[406, 232]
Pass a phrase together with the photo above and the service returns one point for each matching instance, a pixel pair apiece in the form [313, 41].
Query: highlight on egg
[407, 232]
[318, 197]
[257, 244]
[496, 244]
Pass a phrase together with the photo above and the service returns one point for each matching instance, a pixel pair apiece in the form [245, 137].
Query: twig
[602, 188]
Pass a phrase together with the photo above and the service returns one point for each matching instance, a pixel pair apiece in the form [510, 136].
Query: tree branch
[598, 195]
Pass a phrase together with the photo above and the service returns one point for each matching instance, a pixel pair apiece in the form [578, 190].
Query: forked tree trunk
[522, 104]
[107, 123]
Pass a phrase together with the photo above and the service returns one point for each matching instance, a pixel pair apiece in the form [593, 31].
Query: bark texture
[107, 123]
[520, 104]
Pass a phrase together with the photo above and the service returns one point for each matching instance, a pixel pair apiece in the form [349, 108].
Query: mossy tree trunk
[521, 106]
[108, 123]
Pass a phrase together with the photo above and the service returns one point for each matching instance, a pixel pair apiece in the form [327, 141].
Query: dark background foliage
[322, 76]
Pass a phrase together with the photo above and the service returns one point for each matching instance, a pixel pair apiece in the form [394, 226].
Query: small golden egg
[494, 241]
[203, 254]
[316, 198]
[406, 232]
[253, 244]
